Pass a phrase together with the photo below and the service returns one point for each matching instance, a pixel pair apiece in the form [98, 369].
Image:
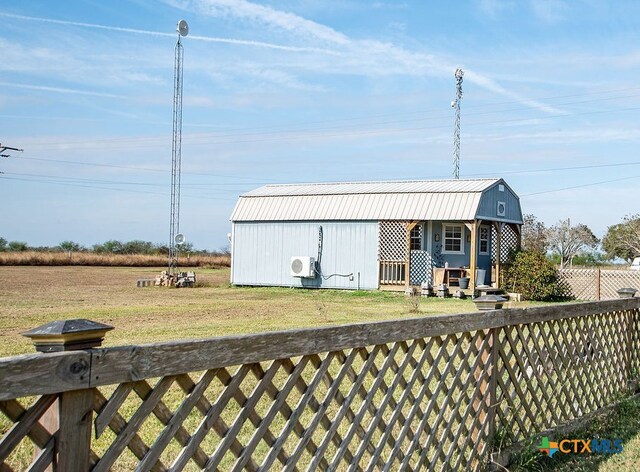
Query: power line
[64, 179]
[437, 115]
[262, 182]
[95, 187]
[581, 186]
[69, 181]
[147, 169]
[557, 169]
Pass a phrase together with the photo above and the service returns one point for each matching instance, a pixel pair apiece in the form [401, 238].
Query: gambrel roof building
[373, 234]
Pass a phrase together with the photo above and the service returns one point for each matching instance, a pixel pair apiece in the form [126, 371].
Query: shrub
[535, 277]
[18, 246]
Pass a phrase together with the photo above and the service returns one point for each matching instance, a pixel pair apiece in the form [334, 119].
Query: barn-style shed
[370, 235]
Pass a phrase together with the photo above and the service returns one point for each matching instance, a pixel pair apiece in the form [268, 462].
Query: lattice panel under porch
[392, 241]
[508, 243]
[421, 267]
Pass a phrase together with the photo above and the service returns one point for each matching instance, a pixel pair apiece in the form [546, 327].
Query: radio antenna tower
[456, 132]
[175, 238]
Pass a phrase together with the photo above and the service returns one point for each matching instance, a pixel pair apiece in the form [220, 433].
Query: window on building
[453, 239]
[416, 238]
[484, 240]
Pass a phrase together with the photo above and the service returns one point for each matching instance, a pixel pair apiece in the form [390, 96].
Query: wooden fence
[599, 284]
[426, 393]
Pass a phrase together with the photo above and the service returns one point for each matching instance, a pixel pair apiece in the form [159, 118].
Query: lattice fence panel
[412, 405]
[613, 280]
[508, 243]
[554, 372]
[421, 267]
[407, 405]
[392, 241]
[24, 442]
[583, 283]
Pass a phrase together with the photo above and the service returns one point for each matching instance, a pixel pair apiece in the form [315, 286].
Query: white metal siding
[262, 253]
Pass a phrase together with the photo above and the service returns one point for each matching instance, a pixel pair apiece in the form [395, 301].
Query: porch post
[407, 262]
[518, 230]
[498, 227]
[473, 261]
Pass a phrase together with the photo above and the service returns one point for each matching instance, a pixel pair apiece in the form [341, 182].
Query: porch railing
[393, 272]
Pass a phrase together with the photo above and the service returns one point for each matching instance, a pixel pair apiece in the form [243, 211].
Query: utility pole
[456, 133]
[4, 148]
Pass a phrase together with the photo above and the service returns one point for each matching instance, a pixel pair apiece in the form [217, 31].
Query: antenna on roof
[456, 132]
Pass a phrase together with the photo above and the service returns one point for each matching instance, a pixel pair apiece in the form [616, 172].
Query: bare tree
[534, 235]
[568, 241]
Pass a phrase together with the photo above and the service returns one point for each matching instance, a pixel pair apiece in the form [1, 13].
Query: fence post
[493, 381]
[486, 387]
[71, 415]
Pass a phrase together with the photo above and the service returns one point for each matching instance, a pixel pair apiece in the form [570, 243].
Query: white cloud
[549, 11]
[365, 56]
[390, 5]
[239, 42]
[266, 15]
[493, 8]
[62, 90]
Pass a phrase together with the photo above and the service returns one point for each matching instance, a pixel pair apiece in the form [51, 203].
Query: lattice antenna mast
[176, 151]
[456, 132]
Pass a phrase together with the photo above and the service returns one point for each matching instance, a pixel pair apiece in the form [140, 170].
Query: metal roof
[387, 186]
[388, 200]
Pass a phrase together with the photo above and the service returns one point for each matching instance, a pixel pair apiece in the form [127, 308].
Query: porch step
[480, 291]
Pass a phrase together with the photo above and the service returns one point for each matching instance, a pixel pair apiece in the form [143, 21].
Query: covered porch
[414, 252]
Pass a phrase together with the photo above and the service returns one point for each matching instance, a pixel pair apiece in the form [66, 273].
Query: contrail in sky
[340, 39]
[239, 42]
[61, 90]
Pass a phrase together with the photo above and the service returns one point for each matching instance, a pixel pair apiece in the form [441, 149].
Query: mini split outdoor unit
[303, 266]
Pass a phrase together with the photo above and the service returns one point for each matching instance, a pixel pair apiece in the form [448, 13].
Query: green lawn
[30, 296]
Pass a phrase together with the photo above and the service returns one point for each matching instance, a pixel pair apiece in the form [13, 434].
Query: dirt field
[30, 296]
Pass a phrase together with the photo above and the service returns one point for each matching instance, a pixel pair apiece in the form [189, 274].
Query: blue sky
[306, 91]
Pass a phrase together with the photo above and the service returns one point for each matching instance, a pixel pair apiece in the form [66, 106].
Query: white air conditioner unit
[303, 266]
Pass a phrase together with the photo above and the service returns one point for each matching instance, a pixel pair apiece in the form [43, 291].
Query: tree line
[108, 247]
[570, 243]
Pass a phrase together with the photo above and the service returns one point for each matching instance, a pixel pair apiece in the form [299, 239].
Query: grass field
[30, 296]
[89, 258]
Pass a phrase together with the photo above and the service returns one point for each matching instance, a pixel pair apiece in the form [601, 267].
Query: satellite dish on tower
[183, 28]
[179, 239]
